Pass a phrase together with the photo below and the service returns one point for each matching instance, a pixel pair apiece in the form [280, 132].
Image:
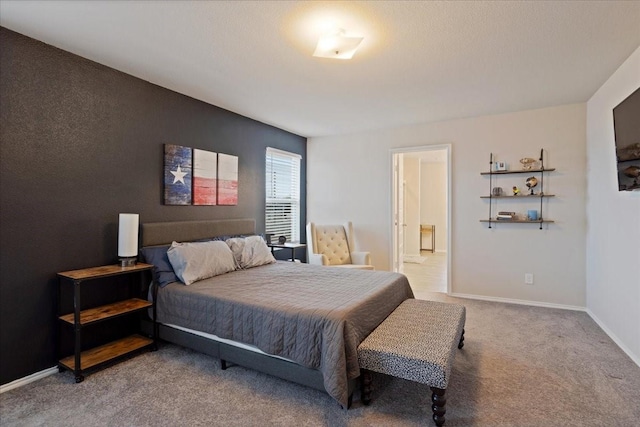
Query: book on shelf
[507, 213]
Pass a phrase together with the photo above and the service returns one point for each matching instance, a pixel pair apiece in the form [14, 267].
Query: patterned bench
[416, 342]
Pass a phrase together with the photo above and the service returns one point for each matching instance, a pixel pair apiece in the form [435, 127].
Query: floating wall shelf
[529, 197]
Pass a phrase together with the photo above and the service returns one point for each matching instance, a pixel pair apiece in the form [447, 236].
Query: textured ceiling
[419, 62]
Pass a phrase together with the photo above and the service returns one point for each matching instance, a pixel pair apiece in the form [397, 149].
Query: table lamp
[128, 239]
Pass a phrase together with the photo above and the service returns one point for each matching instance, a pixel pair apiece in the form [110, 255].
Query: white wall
[433, 203]
[412, 206]
[349, 178]
[613, 232]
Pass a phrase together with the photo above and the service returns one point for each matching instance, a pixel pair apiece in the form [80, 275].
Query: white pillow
[201, 260]
[250, 251]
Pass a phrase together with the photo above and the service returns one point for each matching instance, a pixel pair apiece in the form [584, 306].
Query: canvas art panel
[177, 175]
[205, 169]
[227, 179]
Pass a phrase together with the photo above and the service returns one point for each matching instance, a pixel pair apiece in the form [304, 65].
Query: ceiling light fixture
[337, 45]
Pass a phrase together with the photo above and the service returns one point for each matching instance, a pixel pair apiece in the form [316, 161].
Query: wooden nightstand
[83, 360]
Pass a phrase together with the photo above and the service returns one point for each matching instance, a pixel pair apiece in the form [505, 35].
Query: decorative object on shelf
[531, 182]
[282, 240]
[516, 190]
[532, 215]
[496, 191]
[500, 166]
[128, 238]
[528, 163]
[503, 215]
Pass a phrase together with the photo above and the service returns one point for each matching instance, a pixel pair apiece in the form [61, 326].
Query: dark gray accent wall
[80, 143]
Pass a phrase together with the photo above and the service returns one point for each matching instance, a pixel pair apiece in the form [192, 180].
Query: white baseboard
[518, 301]
[623, 347]
[28, 379]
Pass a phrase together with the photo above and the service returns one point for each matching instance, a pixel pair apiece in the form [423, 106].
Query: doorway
[421, 216]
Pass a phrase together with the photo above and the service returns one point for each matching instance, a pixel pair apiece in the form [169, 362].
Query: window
[282, 208]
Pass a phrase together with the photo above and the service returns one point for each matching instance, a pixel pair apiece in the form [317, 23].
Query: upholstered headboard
[162, 233]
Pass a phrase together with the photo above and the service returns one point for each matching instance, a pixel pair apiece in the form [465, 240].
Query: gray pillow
[250, 251]
[200, 260]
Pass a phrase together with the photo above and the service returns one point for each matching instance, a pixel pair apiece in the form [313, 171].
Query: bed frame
[162, 233]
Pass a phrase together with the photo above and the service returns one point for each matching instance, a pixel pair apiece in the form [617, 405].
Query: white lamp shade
[128, 234]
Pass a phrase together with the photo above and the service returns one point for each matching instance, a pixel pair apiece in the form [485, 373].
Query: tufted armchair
[333, 245]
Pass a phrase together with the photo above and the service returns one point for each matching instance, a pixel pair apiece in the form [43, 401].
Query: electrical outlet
[528, 278]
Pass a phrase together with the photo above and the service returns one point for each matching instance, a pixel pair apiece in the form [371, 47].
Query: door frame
[395, 184]
[397, 210]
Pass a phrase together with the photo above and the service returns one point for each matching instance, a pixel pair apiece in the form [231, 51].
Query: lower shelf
[103, 353]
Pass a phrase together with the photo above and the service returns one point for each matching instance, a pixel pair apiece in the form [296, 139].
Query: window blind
[282, 207]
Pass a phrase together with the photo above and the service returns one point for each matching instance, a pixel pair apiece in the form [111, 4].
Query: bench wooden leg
[461, 343]
[439, 401]
[365, 386]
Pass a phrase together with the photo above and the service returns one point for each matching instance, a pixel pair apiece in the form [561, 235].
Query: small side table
[428, 228]
[290, 246]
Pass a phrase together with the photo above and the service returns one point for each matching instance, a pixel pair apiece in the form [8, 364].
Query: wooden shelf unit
[80, 318]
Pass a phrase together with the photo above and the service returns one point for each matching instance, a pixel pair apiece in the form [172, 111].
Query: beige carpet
[521, 366]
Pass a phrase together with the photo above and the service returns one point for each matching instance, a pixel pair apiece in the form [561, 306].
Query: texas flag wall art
[205, 174]
[227, 179]
[199, 177]
[177, 175]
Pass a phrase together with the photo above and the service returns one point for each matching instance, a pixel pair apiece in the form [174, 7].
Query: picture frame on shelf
[500, 166]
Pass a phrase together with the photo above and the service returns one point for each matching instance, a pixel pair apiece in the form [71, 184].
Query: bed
[296, 321]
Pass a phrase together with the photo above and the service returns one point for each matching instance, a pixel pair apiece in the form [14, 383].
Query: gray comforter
[316, 316]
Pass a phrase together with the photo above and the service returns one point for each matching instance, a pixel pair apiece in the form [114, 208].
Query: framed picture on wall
[227, 179]
[205, 178]
[177, 175]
